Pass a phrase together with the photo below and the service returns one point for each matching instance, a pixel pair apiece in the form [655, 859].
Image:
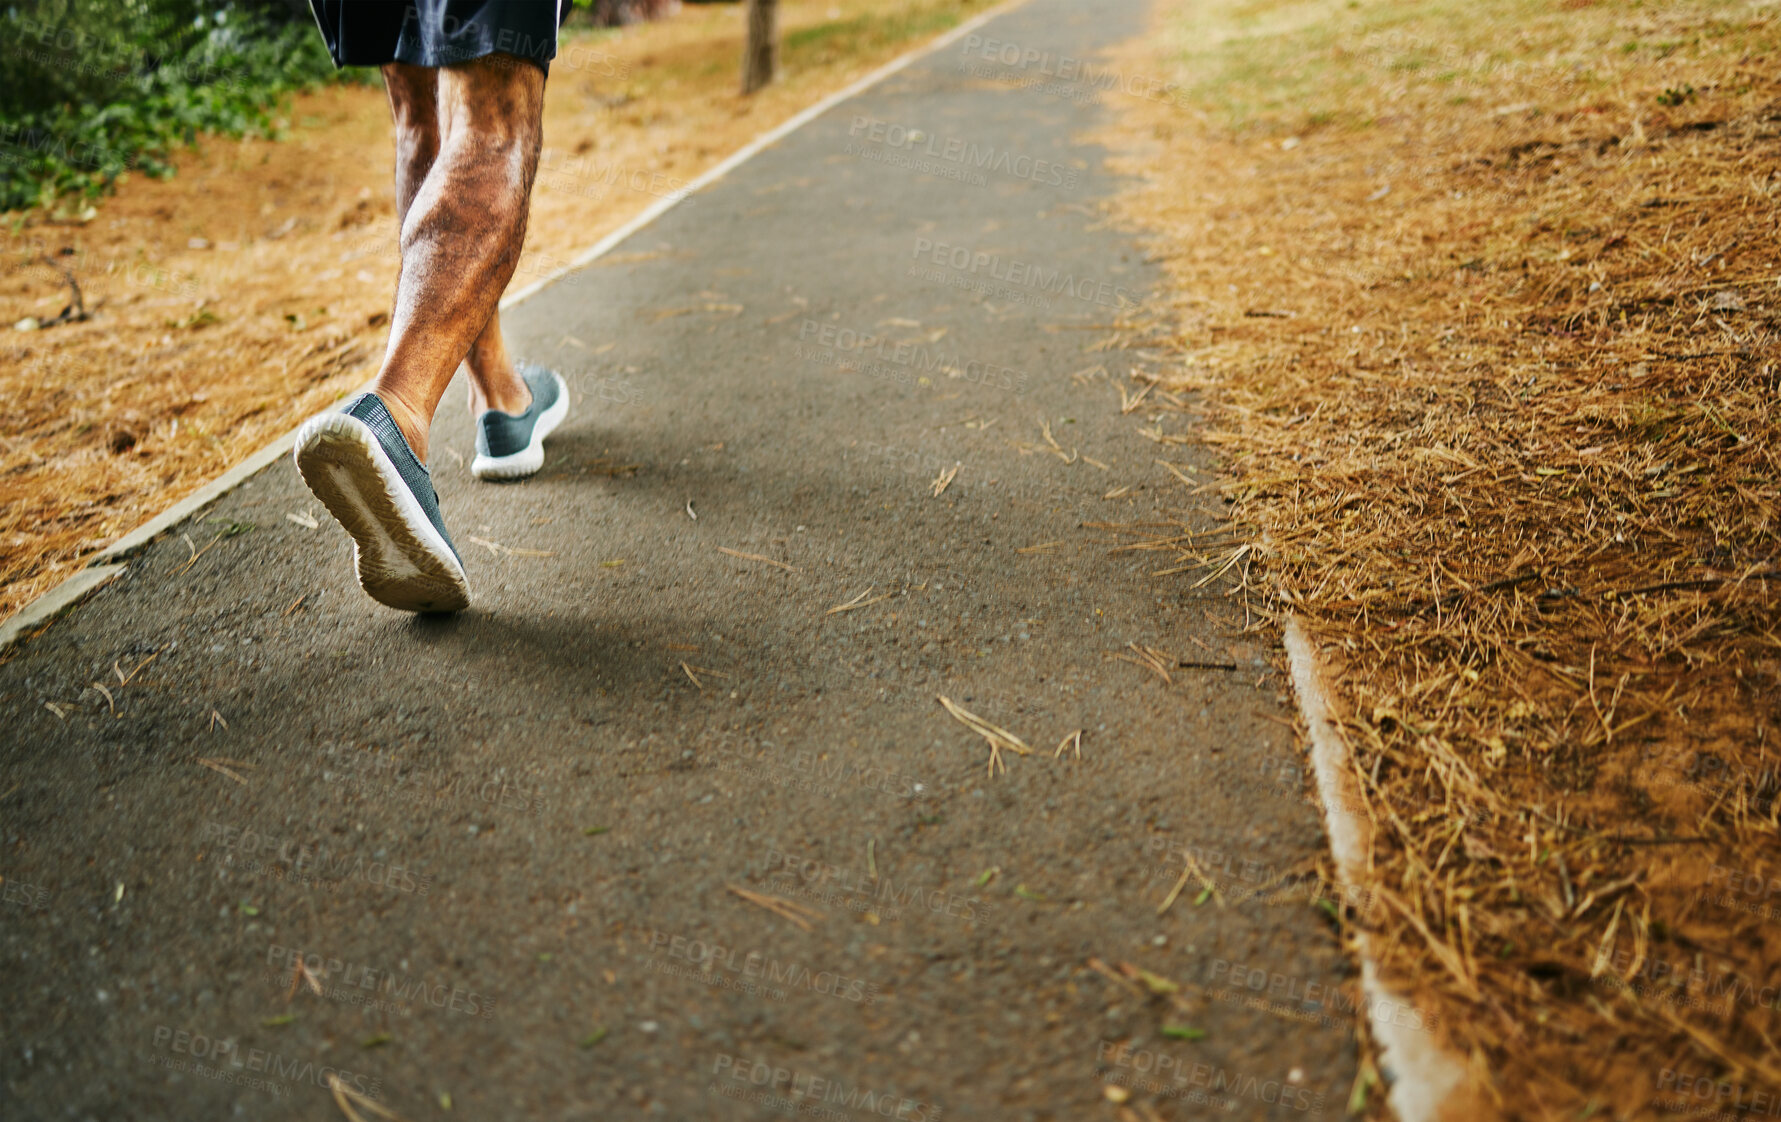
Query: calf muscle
[463, 214]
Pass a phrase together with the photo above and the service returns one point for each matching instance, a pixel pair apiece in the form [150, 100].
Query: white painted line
[80, 583]
[1420, 1073]
[44, 608]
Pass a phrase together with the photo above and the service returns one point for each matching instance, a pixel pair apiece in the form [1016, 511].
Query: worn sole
[529, 459]
[402, 560]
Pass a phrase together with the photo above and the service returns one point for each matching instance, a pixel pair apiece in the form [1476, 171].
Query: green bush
[95, 88]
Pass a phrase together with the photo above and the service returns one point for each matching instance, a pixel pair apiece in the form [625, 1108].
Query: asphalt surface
[505, 842]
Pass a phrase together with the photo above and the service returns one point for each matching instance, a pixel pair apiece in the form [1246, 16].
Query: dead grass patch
[1481, 301]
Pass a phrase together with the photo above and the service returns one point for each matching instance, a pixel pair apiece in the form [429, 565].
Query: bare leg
[494, 384]
[467, 139]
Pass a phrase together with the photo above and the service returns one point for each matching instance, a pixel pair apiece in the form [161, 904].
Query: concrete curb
[55, 601]
[106, 564]
[1425, 1080]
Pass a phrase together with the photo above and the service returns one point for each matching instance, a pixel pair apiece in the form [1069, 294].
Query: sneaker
[511, 445]
[360, 466]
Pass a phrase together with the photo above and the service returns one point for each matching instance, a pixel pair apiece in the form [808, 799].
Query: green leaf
[1182, 1032]
[158, 85]
[200, 318]
[593, 1038]
[1156, 983]
[1357, 1098]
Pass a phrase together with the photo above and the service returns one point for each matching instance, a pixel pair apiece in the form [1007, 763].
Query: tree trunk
[760, 55]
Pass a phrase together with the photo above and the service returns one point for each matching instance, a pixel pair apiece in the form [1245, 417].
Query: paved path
[502, 835]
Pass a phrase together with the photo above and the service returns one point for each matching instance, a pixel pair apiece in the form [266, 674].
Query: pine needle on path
[755, 557]
[998, 738]
[799, 914]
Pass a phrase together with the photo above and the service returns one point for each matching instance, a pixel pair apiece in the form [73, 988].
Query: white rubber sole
[529, 459]
[402, 561]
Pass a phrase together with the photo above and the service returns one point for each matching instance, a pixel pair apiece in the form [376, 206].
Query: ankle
[506, 394]
[413, 425]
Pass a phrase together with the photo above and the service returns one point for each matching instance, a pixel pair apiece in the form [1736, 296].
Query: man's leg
[467, 139]
[413, 94]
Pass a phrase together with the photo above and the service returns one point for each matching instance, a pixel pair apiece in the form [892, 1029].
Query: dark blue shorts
[439, 32]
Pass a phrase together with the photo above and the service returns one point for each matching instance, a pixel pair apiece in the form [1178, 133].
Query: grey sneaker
[360, 466]
[511, 446]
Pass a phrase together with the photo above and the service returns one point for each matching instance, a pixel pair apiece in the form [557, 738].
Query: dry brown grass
[201, 353]
[1481, 301]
